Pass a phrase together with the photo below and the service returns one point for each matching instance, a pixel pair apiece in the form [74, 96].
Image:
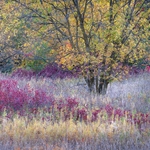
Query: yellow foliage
[93, 33]
[105, 39]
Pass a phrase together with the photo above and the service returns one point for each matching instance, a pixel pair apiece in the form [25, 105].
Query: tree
[18, 40]
[13, 37]
[99, 37]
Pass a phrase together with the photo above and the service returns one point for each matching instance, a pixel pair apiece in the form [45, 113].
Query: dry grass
[36, 133]
[132, 94]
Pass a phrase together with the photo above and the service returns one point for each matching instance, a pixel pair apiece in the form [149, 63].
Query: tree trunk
[103, 84]
[96, 84]
[91, 84]
[90, 80]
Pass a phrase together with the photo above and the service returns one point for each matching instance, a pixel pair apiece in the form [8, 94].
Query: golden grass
[22, 131]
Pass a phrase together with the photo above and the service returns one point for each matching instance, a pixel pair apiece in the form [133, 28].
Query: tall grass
[99, 134]
[52, 130]
[131, 93]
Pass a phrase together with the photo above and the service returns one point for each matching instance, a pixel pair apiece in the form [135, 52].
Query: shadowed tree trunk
[90, 80]
[97, 84]
[103, 84]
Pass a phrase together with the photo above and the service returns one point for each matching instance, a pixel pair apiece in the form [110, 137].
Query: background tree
[19, 45]
[13, 37]
[99, 37]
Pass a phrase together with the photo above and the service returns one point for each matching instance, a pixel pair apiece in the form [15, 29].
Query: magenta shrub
[13, 97]
[50, 71]
[31, 102]
[147, 69]
[23, 73]
[138, 118]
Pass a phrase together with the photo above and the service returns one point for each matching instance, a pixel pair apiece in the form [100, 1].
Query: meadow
[60, 114]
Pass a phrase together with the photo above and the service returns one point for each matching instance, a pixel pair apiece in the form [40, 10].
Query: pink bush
[50, 71]
[11, 96]
[14, 99]
[23, 73]
[137, 119]
[147, 69]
